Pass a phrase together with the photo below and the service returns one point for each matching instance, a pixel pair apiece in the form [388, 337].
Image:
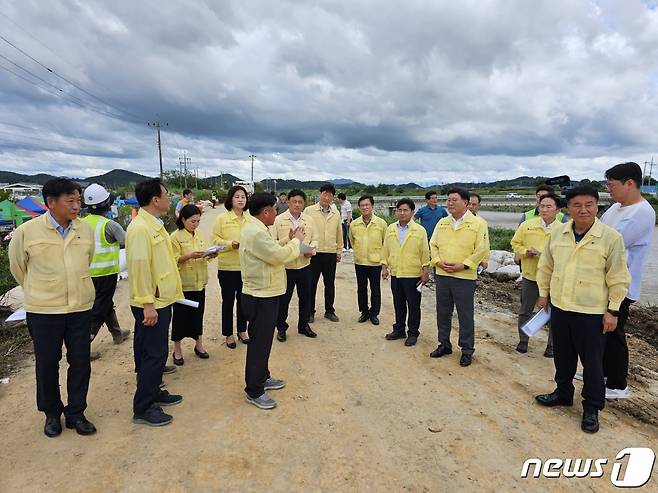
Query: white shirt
[295, 222]
[635, 223]
[456, 222]
[402, 232]
[547, 227]
[346, 210]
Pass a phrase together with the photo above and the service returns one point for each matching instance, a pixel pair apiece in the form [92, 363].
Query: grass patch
[499, 238]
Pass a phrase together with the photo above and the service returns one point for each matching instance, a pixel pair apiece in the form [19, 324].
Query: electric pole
[157, 127]
[252, 168]
[184, 162]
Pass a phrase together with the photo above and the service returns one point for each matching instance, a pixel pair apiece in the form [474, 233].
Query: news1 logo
[639, 466]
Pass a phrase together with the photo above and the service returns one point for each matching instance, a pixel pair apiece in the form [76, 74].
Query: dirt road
[359, 413]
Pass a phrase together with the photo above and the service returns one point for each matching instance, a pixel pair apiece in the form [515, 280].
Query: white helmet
[95, 195]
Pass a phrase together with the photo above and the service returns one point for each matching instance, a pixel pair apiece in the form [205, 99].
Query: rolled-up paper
[193, 304]
[304, 249]
[214, 249]
[17, 316]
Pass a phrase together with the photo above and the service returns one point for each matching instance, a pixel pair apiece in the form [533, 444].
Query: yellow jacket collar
[596, 229]
[150, 219]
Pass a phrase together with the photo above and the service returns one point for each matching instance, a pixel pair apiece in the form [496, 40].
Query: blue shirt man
[431, 213]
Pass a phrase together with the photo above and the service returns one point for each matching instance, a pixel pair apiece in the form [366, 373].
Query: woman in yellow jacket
[189, 245]
[226, 232]
[528, 243]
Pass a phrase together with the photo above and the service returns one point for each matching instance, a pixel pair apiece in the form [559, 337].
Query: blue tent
[32, 205]
[131, 201]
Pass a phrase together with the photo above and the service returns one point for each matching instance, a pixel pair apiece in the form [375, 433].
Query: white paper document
[17, 316]
[193, 304]
[541, 318]
[214, 249]
[304, 249]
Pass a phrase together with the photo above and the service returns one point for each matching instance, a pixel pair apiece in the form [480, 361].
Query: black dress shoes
[178, 361]
[465, 360]
[522, 347]
[53, 426]
[364, 317]
[281, 336]
[411, 341]
[374, 320]
[440, 351]
[201, 354]
[393, 336]
[307, 331]
[331, 316]
[82, 426]
[590, 423]
[553, 399]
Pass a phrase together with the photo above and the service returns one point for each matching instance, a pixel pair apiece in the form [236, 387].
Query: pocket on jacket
[43, 291]
[87, 290]
[166, 288]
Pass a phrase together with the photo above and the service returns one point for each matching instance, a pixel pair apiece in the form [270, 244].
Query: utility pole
[157, 126]
[196, 178]
[184, 162]
[252, 169]
[650, 171]
[644, 173]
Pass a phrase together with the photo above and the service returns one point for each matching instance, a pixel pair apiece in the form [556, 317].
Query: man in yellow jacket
[262, 265]
[406, 257]
[528, 243]
[49, 257]
[327, 221]
[367, 234]
[154, 286]
[582, 273]
[474, 202]
[458, 246]
[298, 272]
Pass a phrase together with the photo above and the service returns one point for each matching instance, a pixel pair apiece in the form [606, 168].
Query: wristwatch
[613, 312]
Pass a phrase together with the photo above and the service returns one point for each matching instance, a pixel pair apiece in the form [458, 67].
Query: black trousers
[48, 333]
[150, 347]
[346, 236]
[230, 283]
[579, 335]
[325, 264]
[369, 274]
[615, 355]
[406, 297]
[262, 314]
[301, 279]
[103, 310]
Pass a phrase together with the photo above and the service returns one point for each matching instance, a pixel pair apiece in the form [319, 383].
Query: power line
[63, 95]
[67, 80]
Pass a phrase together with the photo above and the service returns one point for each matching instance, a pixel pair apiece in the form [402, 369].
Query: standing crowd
[586, 271]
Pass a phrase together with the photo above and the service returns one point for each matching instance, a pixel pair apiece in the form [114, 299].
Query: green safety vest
[532, 213]
[106, 255]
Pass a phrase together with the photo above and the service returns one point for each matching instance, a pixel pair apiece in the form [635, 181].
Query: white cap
[95, 194]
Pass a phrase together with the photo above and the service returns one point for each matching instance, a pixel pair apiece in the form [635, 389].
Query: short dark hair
[146, 190]
[228, 203]
[624, 172]
[462, 192]
[297, 193]
[342, 196]
[328, 187]
[57, 187]
[283, 193]
[186, 192]
[258, 202]
[553, 197]
[185, 213]
[406, 201]
[429, 194]
[475, 194]
[581, 190]
[544, 188]
[366, 197]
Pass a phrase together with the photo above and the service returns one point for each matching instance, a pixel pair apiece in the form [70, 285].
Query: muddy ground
[359, 413]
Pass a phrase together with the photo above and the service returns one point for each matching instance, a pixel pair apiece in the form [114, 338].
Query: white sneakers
[614, 394]
[610, 394]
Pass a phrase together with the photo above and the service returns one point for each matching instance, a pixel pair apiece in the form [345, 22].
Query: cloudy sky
[426, 91]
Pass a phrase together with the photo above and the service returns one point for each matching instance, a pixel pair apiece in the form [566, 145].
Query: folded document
[541, 318]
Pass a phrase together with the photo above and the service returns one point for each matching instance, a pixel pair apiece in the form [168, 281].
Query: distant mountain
[341, 181]
[11, 177]
[117, 178]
